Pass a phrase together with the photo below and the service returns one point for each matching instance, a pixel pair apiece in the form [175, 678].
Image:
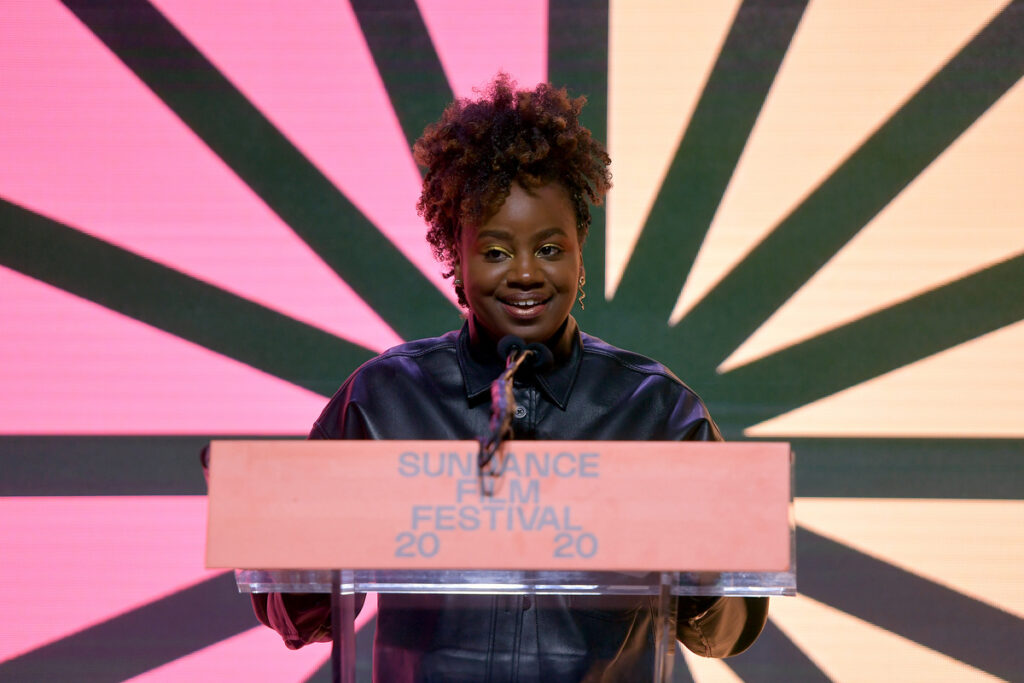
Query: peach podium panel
[558, 505]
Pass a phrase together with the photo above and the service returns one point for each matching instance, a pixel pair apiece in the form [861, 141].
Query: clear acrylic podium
[654, 521]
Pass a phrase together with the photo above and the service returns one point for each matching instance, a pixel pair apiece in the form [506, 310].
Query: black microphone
[509, 345]
[541, 356]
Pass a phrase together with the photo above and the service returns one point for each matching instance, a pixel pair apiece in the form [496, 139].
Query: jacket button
[520, 412]
[526, 602]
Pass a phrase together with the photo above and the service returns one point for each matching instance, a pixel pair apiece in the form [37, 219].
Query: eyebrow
[506, 235]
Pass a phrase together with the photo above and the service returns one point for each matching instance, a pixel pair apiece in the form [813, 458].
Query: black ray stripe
[176, 303]
[680, 671]
[102, 465]
[267, 162]
[773, 657]
[578, 56]
[406, 60]
[364, 657]
[80, 465]
[708, 153]
[952, 100]
[142, 639]
[982, 469]
[879, 343]
[578, 61]
[158, 465]
[937, 617]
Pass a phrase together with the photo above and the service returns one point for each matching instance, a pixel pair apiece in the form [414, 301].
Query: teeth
[523, 303]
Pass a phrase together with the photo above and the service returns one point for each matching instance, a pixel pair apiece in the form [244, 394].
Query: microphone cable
[503, 405]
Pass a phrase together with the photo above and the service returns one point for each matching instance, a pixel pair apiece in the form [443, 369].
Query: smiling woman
[521, 269]
[506, 193]
[481, 150]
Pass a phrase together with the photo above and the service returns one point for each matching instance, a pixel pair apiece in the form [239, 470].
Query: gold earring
[583, 295]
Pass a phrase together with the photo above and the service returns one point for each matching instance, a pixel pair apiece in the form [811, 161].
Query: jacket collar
[481, 365]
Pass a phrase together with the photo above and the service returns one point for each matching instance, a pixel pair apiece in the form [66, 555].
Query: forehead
[526, 211]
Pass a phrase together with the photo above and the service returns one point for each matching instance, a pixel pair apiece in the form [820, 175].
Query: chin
[540, 328]
[536, 333]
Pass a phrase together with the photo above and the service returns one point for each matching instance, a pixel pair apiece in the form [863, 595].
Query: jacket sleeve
[300, 618]
[720, 627]
[713, 626]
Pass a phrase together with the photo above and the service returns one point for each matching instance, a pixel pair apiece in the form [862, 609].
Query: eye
[496, 253]
[549, 250]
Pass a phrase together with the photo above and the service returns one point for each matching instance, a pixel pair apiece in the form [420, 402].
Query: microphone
[509, 345]
[540, 356]
[543, 359]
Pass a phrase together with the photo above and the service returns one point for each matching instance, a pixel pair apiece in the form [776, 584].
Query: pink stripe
[253, 656]
[307, 67]
[71, 366]
[81, 561]
[475, 40]
[84, 142]
[368, 612]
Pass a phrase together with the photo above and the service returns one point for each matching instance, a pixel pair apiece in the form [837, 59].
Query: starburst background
[207, 221]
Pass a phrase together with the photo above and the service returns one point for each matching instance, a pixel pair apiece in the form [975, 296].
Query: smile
[524, 308]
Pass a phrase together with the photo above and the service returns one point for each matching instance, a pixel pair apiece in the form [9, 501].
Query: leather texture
[439, 389]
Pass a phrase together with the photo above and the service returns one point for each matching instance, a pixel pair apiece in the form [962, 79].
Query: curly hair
[480, 147]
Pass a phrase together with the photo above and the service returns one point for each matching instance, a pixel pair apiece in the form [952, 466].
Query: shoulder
[402, 376]
[601, 352]
[408, 355]
[420, 347]
[659, 405]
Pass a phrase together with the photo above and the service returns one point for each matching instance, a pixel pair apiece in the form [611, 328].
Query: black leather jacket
[439, 389]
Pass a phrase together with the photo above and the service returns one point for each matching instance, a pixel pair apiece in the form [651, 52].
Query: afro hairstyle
[480, 147]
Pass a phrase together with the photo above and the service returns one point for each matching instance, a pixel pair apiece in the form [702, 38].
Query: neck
[560, 343]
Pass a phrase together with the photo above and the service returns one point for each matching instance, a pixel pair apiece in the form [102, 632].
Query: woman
[506, 193]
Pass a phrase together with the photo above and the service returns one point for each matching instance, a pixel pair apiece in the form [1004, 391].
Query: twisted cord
[503, 405]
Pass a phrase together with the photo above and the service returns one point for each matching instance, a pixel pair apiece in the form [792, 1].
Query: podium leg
[665, 629]
[343, 646]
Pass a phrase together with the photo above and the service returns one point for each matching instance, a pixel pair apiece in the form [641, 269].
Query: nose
[525, 272]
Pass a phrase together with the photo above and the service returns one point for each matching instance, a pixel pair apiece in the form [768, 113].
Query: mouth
[525, 307]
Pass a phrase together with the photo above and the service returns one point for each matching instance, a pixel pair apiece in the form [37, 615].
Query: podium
[648, 520]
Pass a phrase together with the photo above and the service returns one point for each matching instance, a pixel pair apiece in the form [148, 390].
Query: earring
[583, 295]
[458, 282]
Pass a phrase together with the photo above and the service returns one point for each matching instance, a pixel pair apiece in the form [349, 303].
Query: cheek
[570, 274]
[480, 277]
